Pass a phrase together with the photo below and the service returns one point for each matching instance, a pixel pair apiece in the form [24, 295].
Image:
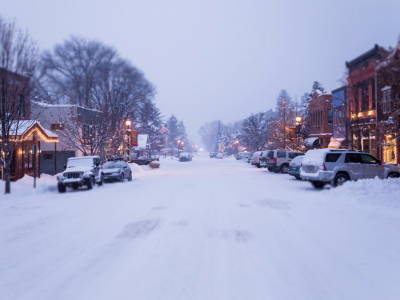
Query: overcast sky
[213, 59]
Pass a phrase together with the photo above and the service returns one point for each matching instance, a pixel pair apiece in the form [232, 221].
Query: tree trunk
[8, 185]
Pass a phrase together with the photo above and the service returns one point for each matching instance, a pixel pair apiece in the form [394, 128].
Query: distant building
[320, 121]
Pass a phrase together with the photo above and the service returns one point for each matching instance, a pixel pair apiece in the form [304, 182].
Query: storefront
[390, 150]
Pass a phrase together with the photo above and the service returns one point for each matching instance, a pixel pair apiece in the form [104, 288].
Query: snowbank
[372, 189]
[24, 187]
[136, 168]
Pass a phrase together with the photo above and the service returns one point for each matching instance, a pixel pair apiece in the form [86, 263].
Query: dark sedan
[116, 170]
[185, 157]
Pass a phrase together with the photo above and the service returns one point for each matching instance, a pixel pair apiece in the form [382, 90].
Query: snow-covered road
[206, 229]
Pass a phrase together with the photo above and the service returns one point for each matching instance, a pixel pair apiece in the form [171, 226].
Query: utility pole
[284, 123]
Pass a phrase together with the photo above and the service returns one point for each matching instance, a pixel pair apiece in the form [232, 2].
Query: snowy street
[206, 229]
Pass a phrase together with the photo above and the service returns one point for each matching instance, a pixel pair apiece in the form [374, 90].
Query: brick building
[363, 99]
[24, 132]
[320, 121]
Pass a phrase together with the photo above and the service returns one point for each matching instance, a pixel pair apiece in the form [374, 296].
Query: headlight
[64, 174]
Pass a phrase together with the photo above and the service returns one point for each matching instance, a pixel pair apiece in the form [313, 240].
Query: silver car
[324, 166]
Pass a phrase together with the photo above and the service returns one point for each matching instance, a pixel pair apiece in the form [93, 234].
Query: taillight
[323, 167]
[301, 165]
[259, 159]
[274, 160]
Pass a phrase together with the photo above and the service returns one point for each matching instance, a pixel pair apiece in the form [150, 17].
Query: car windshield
[78, 162]
[113, 165]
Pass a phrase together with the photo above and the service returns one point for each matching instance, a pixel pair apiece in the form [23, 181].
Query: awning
[312, 143]
[335, 143]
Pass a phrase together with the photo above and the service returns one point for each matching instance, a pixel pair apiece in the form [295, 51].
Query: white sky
[213, 59]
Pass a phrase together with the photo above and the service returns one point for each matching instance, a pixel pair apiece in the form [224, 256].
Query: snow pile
[368, 188]
[136, 168]
[24, 186]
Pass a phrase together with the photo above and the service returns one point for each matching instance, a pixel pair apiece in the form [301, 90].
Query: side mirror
[65, 167]
[379, 162]
[97, 164]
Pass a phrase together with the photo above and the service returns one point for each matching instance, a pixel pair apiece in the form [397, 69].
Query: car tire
[91, 183]
[61, 188]
[393, 175]
[121, 179]
[270, 169]
[75, 187]
[318, 184]
[284, 169]
[298, 177]
[276, 170]
[258, 166]
[130, 176]
[340, 179]
[100, 183]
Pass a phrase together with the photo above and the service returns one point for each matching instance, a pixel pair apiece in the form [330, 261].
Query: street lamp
[298, 127]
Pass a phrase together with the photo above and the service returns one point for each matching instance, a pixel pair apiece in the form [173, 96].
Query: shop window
[330, 116]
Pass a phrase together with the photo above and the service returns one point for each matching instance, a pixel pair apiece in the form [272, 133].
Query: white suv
[81, 171]
[324, 166]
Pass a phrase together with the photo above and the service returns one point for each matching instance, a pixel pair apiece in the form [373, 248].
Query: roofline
[363, 56]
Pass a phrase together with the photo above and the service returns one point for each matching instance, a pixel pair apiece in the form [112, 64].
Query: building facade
[74, 126]
[321, 119]
[340, 114]
[25, 133]
[362, 87]
[388, 108]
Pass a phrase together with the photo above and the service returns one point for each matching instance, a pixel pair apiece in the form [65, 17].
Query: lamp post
[128, 124]
[298, 127]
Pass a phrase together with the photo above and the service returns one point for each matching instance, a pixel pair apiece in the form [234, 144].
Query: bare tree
[18, 59]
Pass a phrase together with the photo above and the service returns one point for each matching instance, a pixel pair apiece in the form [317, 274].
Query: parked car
[219, 156]
[278, 160]
[185, 157]
[249, 158]
[213, 154]
[324, 166]
[116, 170]
[242, 155]
[80, 171]
[294, 167]
[256, 158]
[143, 160]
